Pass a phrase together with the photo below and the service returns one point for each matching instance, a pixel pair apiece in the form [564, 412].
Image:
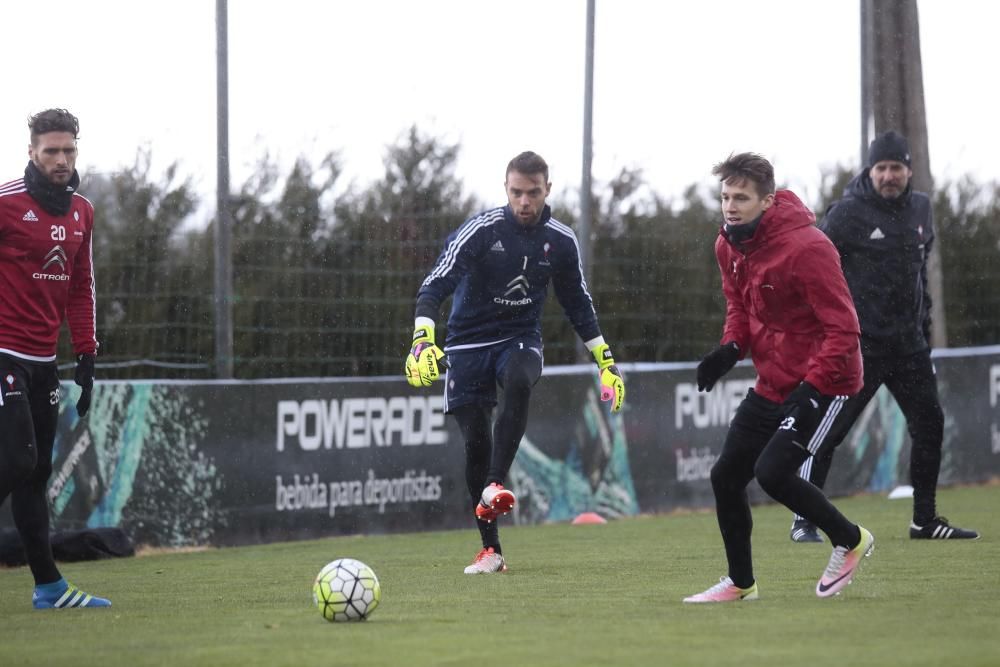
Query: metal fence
[329, 290]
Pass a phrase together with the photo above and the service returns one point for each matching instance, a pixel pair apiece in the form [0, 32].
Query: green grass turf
[574, 595]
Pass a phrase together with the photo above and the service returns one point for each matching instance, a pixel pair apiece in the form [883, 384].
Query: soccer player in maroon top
[46, 276]
[789, 309]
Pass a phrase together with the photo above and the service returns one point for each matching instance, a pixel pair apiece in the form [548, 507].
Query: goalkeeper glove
[423, 359]
[612, 382]
[85, 378]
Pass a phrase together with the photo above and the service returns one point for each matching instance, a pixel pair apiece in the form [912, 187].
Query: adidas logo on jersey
[877, 234]
[497, 247]
[30, 216]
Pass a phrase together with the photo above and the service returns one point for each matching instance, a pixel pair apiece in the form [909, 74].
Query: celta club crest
[545, 250]
[10, 381]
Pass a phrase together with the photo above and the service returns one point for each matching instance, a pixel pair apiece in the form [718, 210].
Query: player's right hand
[717, 363]
[422, 363]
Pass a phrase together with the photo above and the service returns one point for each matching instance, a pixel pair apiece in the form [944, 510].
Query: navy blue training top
[499, 271]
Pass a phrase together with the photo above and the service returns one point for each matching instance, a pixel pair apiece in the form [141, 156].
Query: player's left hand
[612, 382]
[803, 406]
[84, 377]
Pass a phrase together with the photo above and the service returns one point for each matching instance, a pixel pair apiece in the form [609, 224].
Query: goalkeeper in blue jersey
[498, 265]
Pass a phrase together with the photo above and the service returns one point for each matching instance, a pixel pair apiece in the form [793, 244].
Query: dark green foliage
[967, 219]
[282, 289]
[325, 276]
[153, 285]
[384, 242]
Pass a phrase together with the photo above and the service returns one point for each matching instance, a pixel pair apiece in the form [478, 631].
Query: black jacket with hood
[884, 245]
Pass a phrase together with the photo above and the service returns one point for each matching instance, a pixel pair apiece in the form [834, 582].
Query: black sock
[490, 533]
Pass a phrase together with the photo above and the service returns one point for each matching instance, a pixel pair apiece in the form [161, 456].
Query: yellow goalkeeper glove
[422, 361]
[612, 382]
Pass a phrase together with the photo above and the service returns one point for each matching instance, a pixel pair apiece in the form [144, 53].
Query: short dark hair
[528, 163]
[53, 120]
[747, 167]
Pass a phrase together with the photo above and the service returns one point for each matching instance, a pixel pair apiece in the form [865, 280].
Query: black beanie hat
[889, 146]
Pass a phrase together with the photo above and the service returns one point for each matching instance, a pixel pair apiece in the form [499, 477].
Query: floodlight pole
[224, 218]
[867, 77]
[586, 185]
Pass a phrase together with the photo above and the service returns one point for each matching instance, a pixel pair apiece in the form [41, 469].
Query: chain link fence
[325, 285]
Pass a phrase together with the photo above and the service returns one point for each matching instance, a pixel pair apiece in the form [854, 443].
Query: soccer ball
[346, 590]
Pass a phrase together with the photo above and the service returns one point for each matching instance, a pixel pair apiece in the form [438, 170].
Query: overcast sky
[678, 85]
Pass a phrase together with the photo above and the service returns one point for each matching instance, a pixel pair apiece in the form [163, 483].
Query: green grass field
[574, 595]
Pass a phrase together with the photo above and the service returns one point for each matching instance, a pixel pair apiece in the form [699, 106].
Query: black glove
[85, 378]
[717, 363]
[803, 406]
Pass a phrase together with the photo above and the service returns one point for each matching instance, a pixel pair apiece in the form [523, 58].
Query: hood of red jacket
[787, 213]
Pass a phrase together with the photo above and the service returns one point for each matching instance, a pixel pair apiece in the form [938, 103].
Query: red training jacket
[787, 303]
[46, 275]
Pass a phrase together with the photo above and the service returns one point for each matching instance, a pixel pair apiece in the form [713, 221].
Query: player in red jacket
[46, 276]
[789, 309]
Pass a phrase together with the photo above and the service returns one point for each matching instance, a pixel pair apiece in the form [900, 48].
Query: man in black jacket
[884, 231]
